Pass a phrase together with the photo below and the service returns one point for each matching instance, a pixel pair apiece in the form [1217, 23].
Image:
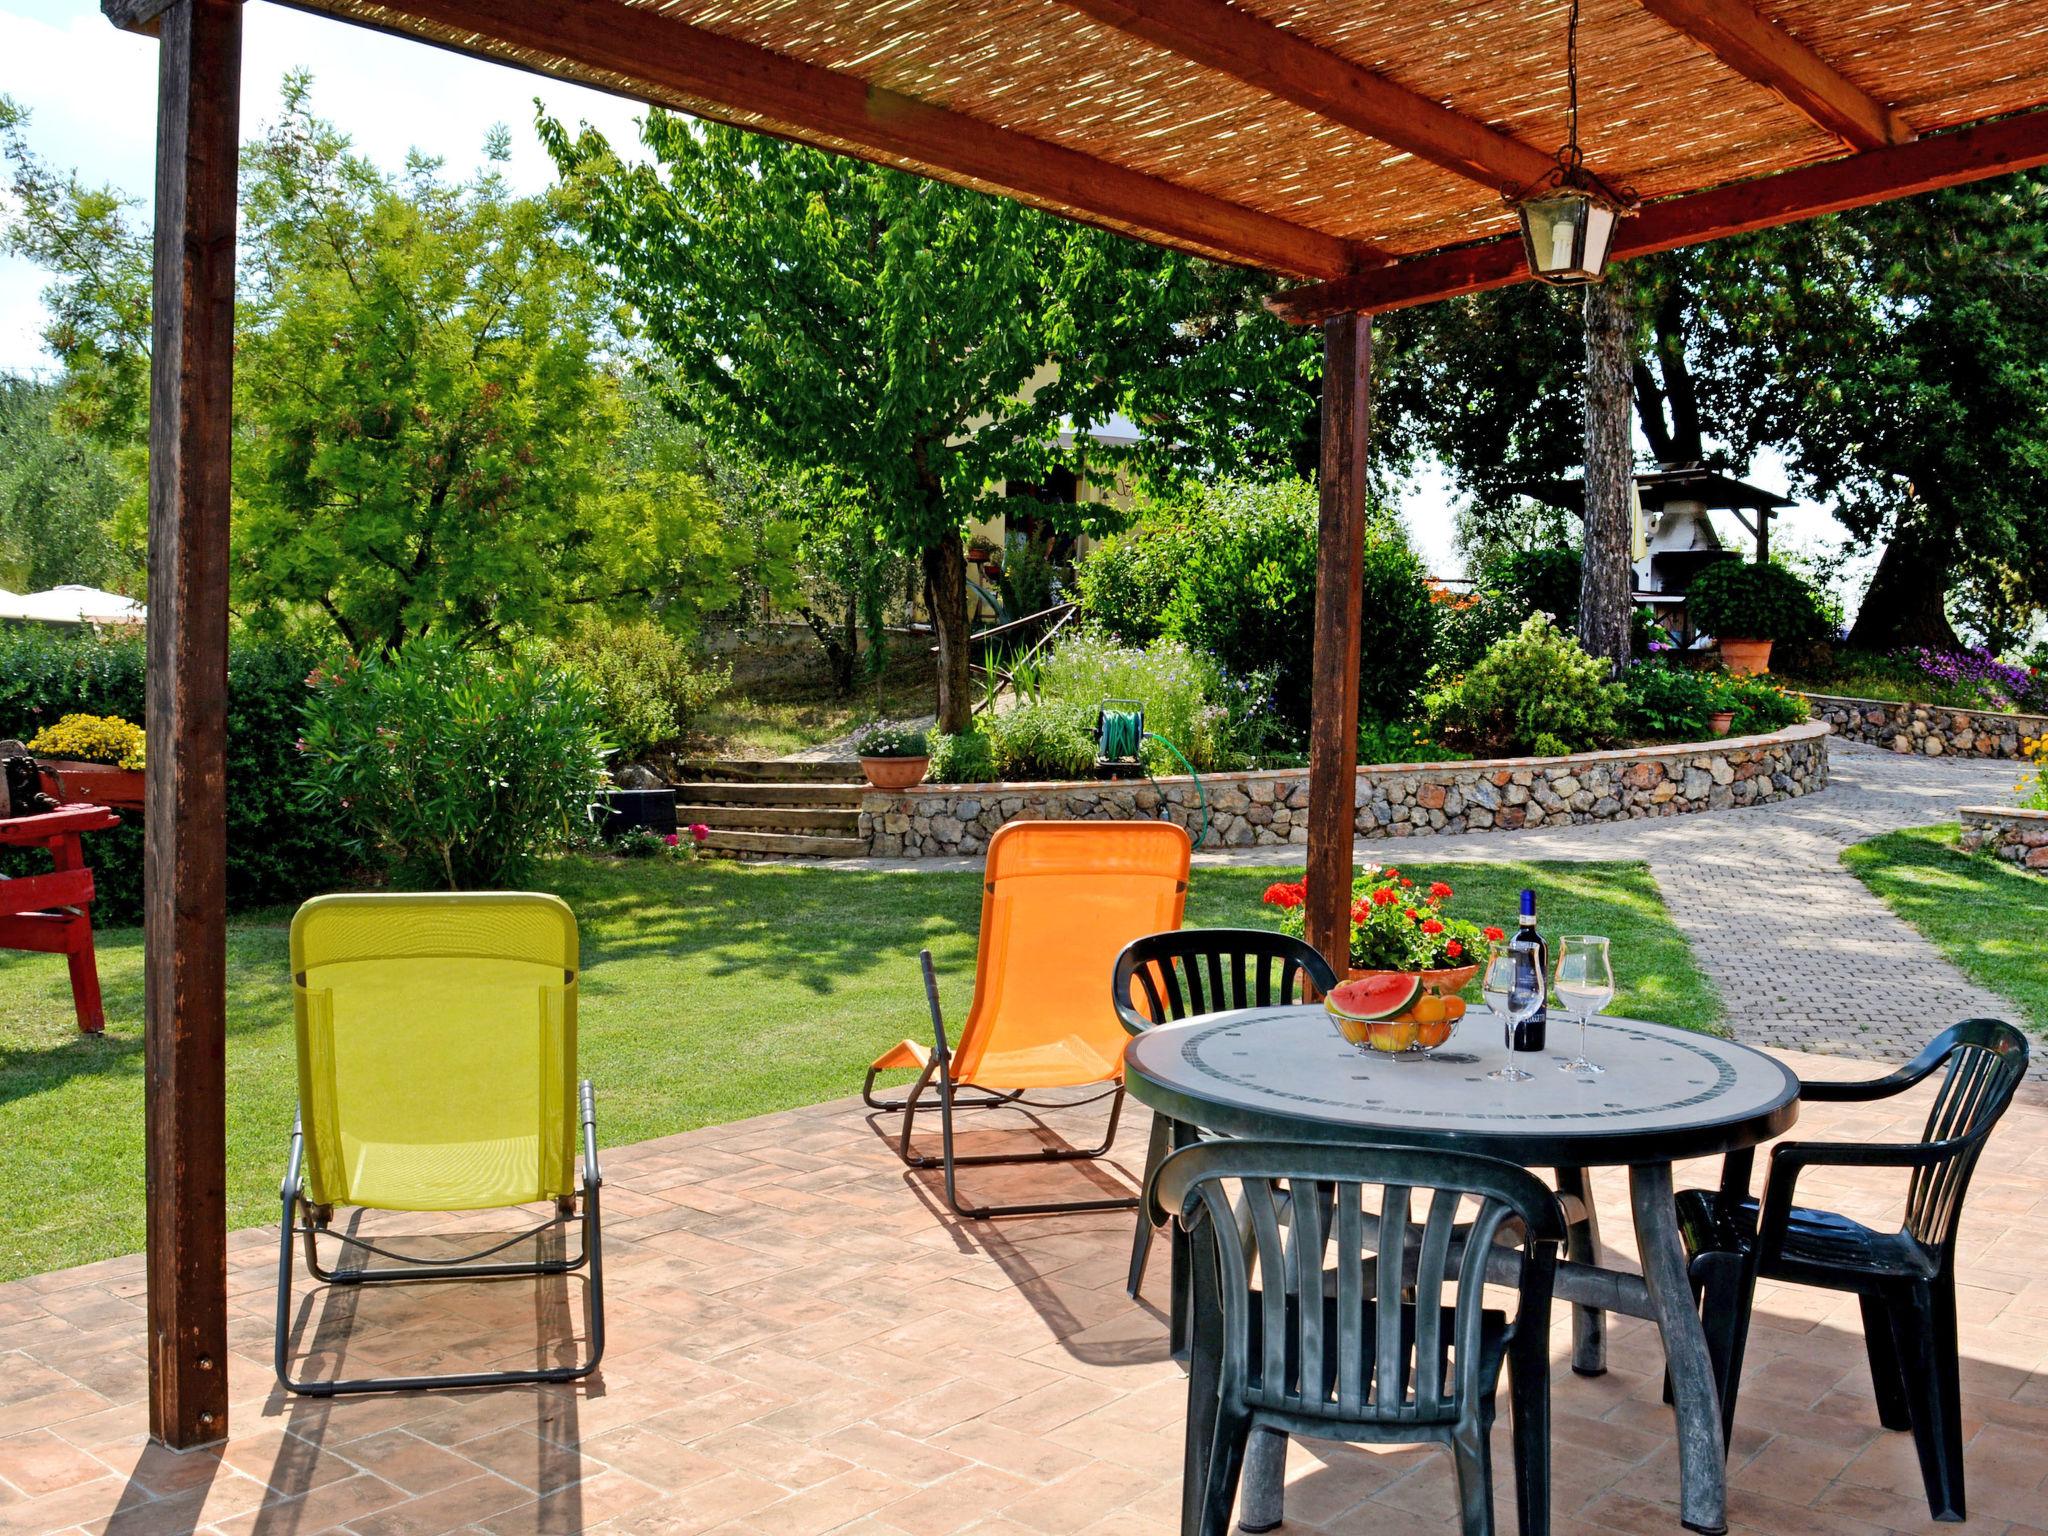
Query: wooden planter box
[71, 782]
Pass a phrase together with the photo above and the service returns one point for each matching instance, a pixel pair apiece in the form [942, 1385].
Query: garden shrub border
[2009, 832]
[1392, 800]
[1934, 730]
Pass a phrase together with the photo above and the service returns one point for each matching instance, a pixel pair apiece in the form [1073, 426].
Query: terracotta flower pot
[70, 781]
[893, 773]
[1720, 720]
[1746, 658]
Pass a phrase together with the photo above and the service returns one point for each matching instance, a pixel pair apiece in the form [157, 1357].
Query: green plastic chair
[437, 1072]
[1321, 1307]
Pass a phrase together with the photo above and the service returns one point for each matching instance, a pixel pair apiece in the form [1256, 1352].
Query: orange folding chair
[1060, 900]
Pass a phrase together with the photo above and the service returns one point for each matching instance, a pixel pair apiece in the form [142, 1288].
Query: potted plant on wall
[91, 760]
[1747, 608]
[892, 756]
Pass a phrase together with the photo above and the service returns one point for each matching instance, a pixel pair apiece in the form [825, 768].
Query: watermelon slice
[1375, 997]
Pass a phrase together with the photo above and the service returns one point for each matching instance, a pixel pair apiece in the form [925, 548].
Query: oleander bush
[456, 767]
[1534, 692]
[276, 851]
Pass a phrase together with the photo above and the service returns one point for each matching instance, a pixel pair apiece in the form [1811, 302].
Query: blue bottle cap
[1528, 903]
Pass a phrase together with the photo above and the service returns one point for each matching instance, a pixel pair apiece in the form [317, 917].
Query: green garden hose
[1121, 736]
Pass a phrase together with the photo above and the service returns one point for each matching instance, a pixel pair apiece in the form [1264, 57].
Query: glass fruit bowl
[1399, 1013]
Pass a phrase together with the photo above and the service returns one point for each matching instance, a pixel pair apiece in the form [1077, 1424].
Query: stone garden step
[771, 770]
[717, 793]
[823, 820]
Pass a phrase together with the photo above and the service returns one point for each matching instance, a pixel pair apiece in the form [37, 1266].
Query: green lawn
[1990, 919]
[710, 992]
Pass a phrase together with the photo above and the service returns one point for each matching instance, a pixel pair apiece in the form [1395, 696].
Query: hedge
[277, 853]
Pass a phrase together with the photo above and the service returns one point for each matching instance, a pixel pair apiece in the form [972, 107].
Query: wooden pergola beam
[1250, 49]
[774, 93]
[1857, 181]
[1753, 45]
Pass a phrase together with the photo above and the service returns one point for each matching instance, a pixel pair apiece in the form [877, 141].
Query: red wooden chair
[49, 913]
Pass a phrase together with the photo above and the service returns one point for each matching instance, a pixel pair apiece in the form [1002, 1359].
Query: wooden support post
[1333, 706]
[185, 852]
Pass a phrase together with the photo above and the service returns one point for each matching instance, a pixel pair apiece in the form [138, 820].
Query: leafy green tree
[59, 492]
[429, 429]
[907, 346]
[97, 249]
[1892, 356]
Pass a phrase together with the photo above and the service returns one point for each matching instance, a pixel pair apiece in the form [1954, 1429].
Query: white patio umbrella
[72, 604]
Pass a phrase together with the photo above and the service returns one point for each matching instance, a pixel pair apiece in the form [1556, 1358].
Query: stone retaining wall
[1270, 808]
[1928, 728]
[2007, 832]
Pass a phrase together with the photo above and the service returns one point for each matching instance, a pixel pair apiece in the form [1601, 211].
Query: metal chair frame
[1386, 1340]
[308, 1222]
[1904, 1281]
[937, 1072]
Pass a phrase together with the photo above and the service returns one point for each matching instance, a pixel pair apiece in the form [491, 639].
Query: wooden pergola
[1358, 147]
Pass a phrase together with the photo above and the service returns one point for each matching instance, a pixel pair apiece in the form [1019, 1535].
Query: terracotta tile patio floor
[803, 1341]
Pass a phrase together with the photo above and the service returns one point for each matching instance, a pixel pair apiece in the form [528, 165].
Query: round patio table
[1285, 1074]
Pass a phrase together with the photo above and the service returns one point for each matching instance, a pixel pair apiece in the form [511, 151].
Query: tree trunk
[945, 583]
[1606, 578]
[1907, 600]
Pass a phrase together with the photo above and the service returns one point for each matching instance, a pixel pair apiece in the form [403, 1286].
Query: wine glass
[1496, 984]
[1585, 985]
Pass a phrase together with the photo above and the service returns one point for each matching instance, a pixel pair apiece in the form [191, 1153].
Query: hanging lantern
[1568, 214]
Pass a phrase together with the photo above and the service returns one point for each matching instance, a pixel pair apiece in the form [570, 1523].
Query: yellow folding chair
[437, 1072]
[1060, 900]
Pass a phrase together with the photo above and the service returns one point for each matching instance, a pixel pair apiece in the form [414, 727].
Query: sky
[91, 92]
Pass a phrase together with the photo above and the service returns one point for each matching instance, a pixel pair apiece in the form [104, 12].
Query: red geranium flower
[1432, 927]
[1454, 949]
[1284, 895]
[1407, 885]
[1439, 890]
[1494, 935]
[1391, 873]
[1383, 897]
[1413, 915]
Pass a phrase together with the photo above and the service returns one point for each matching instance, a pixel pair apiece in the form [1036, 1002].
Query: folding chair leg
[590, 1259]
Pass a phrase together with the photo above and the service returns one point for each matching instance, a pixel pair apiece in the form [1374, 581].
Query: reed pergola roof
[1360, 145]
[1368, 141]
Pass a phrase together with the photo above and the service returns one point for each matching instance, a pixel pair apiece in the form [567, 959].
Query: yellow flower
[92, 739]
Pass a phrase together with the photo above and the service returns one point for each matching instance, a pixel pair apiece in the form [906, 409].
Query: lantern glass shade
[1566, 235]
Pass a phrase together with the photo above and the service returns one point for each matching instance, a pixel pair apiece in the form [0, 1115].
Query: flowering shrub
[882, 739]
[458, 767]
[92, 739]
[1395, 926]
[1534, 691]
[1172, 680]
[1980, 677]
[2033, 788]
[646, 843]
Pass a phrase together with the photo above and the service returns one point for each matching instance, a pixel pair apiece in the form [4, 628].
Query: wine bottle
[1532, 980]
